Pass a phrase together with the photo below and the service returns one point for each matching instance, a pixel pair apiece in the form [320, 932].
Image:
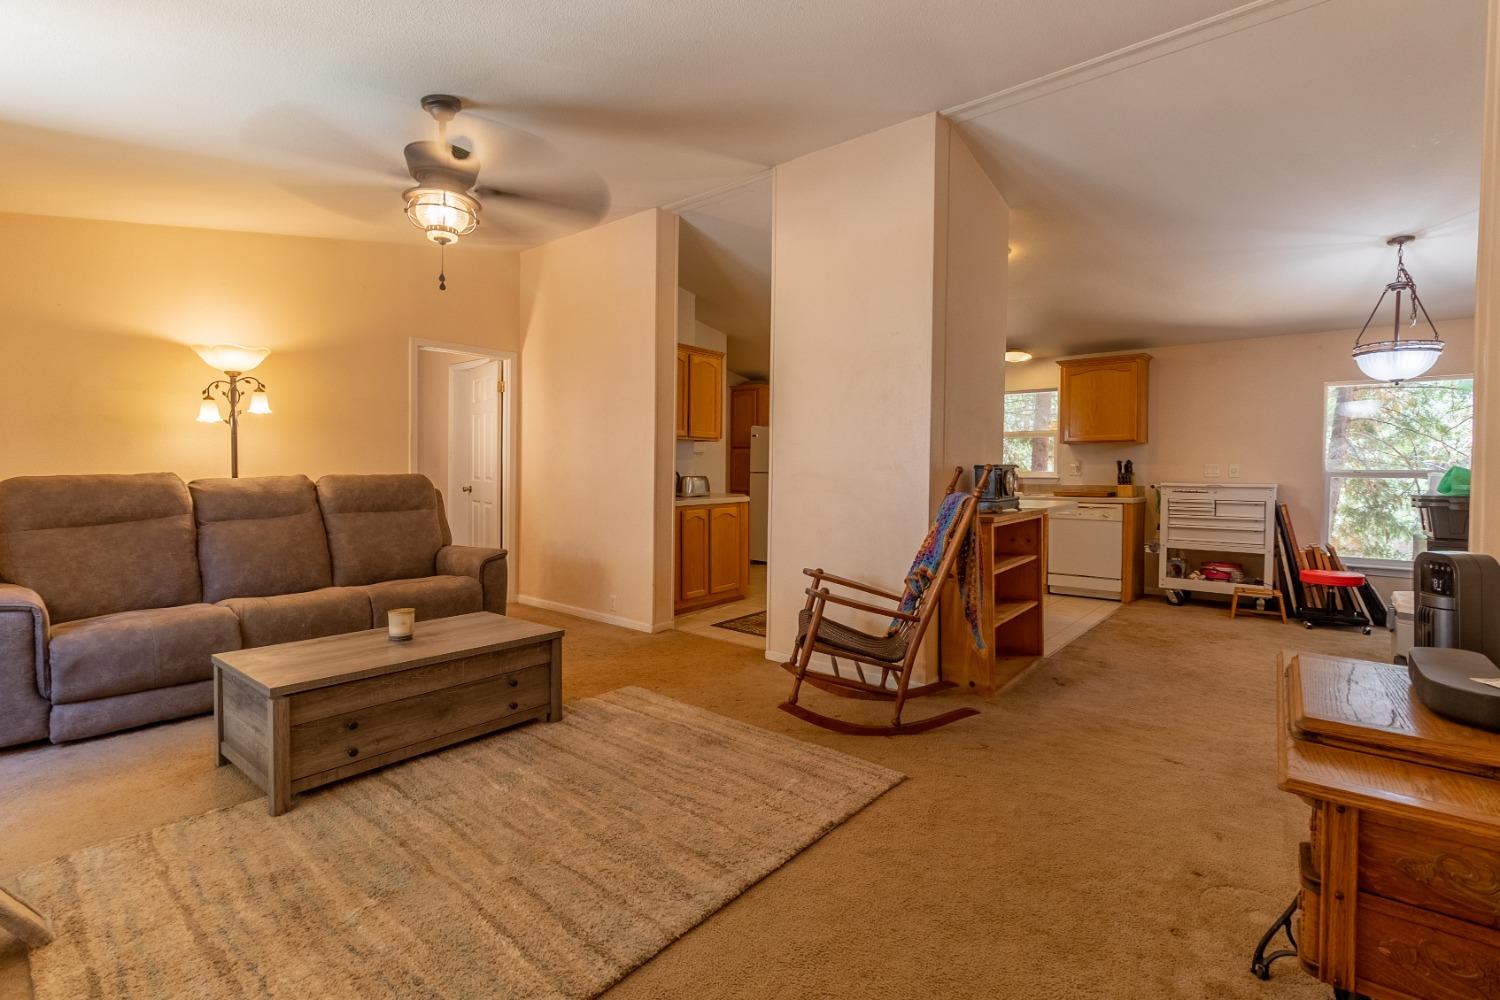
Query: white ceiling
[1240, 186]
[1246, 186]
[288, 116]
[725, 260]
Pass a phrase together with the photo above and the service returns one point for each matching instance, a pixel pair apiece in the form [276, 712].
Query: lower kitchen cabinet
[712, 554]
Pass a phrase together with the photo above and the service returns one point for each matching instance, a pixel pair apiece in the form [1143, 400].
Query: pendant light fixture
[1397, 359]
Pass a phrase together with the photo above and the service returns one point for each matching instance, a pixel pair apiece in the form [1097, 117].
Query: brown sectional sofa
[116, 590]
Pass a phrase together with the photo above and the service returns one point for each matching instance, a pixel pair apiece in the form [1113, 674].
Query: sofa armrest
[488, 566]
[24, 627]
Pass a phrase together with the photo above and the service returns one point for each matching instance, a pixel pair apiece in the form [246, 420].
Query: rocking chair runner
[893, 653]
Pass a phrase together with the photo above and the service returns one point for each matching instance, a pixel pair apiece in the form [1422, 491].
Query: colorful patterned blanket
[930, 556]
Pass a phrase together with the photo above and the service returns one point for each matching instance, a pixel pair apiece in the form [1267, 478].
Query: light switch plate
[1234, 472]
[1210, 472]
[1076, 467]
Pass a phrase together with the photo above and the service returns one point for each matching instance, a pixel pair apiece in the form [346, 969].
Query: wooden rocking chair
[893, 653]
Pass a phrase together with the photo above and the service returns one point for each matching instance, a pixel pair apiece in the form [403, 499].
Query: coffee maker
[1000, 492]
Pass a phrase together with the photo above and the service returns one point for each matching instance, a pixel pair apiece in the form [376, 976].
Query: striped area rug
[547, 861]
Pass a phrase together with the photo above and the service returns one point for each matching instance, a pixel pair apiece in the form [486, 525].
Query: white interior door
[474, 464]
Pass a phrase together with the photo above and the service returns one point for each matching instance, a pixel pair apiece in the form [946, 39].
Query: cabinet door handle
[468, 489]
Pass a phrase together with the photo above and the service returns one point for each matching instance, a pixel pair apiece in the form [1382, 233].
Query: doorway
[462, 437]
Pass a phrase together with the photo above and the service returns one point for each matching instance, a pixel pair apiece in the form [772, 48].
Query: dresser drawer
[1414, 866]
[330, 742]
[1414, 953]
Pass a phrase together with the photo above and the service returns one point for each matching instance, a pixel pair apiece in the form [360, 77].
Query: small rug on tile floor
[748, 624]
[547, 861]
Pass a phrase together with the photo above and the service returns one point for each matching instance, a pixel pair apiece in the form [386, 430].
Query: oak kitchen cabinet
[1103, 400]
[749, 406]
[700, 393]
[712, 554]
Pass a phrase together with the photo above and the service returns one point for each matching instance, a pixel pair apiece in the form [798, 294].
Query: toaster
[692, 486]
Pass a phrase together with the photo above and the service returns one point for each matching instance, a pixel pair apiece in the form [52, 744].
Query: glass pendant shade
[443, 216]
[231, 357]
[1397, 360]
[259, 402]
[208, 411]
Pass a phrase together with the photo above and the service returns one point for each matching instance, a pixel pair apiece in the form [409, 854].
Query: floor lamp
[238, 391]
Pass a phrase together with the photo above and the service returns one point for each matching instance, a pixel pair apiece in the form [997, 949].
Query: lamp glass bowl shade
[1397, 360]
[1016, 357]
[208, 411]
[442, 215]
[259, 402]
[231, 357]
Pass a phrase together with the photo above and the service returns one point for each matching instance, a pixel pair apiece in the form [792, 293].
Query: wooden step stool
[1271, 593]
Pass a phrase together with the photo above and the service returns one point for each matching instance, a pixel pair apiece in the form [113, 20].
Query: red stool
[1334, 580]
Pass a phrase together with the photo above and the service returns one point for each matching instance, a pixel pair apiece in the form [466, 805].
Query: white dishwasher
[1084, 550]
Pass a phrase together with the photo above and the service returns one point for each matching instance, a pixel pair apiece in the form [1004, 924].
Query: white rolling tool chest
[1200, 520]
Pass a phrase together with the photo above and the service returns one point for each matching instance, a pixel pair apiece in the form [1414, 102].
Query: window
[1380, 442]
[1031, 431]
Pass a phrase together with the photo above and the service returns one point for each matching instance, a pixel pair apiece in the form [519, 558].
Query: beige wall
[876, 291]
[1485, 516]
[1255, 403]
[95, 319]
[597, 321]
[972, 275]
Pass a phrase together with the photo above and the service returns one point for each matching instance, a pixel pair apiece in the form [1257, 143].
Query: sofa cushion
[95, 545]
[432, 596]
[265, 621]
[259, 537]
[137, 651]
[380, 527]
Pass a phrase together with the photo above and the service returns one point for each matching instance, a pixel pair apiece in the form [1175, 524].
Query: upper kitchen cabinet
[1103, 400]
[700, 393]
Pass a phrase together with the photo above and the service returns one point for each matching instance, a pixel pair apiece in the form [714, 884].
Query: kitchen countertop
[710, 498]
[1047, 505]
[1078, 500]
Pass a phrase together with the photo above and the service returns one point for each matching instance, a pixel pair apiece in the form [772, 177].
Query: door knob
[468, 489]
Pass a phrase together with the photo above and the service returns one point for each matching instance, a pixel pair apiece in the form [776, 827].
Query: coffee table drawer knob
[353, 751]
[514, 682]
[352, 725]
[514, 705]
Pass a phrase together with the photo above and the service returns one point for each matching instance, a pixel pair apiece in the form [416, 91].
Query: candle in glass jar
[400, 622]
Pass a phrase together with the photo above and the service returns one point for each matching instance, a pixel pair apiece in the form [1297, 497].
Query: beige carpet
[544, 862]
[1108, 828]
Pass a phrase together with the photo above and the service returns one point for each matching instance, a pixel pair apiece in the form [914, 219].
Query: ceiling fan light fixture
[442, 215]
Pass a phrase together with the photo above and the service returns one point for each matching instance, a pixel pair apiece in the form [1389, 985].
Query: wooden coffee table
[302, 714]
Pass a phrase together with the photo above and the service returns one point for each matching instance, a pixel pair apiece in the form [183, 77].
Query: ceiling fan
[446, 199]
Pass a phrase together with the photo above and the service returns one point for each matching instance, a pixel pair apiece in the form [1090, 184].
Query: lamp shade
[208, 411]
[231, 357]
[259, 403]
[442, 215]
[1397, 360]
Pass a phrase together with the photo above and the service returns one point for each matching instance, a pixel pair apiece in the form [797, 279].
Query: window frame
[1329, 474]
[1006, 435]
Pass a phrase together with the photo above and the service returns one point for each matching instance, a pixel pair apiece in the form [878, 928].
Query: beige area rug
[544, 862]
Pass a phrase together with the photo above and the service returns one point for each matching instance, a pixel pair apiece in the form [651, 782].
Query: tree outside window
[1031, 430]
[1381, 442]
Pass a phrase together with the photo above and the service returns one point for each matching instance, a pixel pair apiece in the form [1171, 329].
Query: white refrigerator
[760, 490]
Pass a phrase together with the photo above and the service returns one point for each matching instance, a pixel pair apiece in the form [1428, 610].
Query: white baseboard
[593, 616]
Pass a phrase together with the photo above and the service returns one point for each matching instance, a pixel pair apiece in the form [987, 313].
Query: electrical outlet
[612, 603]
[1234, 472]
[1076, 467]
[1210, 472]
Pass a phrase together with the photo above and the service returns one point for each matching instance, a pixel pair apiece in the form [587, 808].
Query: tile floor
[1066, 618]
[701, 623]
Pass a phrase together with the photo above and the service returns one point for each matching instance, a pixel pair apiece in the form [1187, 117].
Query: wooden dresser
[1400, 896]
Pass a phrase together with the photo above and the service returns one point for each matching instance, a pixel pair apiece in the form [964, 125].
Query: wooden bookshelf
[1013, 585]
